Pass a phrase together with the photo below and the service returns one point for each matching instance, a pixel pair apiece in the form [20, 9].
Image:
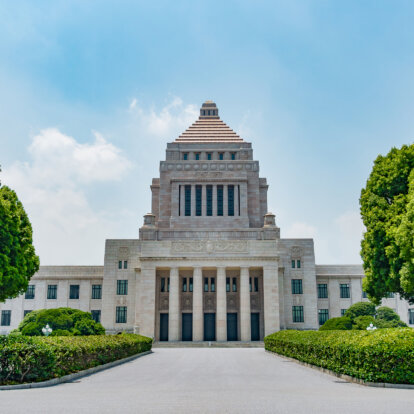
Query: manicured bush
[29, 359]
[387, 314]
[74, 321]
[360, 309]
[385, 355]
[362, 322]
[343, 323]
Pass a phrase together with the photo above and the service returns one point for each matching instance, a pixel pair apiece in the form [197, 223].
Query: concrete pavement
[208, 380]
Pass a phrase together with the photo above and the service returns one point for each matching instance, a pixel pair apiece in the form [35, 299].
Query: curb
[75, 375]
[347, 378]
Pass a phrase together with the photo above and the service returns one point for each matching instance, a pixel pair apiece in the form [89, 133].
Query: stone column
[193, 200]
[245, 327]
[243, 200]
[221, 315]
[174, 301]
[198, 329]
[271, 298]
[215, 200]
[225, 201]
[146, 303]
[182, 195]
[236, 200]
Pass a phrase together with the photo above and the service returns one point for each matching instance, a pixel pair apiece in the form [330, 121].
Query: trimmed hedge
[385, 355]
[32, 359]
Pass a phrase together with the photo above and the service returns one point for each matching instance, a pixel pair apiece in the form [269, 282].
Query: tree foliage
[18, 261]
[360, 309]
[387, 210]
[63, 321]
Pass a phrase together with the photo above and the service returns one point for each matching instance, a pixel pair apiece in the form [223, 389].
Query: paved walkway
[208, 380]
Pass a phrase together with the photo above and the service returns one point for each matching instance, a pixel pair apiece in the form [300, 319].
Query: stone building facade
[209, 263]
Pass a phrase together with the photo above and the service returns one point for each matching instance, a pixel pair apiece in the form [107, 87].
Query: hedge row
[32, 359]
[385, 355]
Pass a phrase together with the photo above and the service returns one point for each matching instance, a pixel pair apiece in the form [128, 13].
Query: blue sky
[91, 92]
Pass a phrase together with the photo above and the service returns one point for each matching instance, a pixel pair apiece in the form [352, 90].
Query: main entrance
[232, 327]
[187, 326]
[163, 326]
[255, 326]
[209, 326]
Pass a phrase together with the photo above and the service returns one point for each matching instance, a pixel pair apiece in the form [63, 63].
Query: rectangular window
[230, 200]
[233, 155]
[163, 284]
[120, 264]
[323, 316]
[411, 316]
[179, 200]
[219, 200]
[238, 196]
[187, 197]
[96, 315]
[184, 284]
[190, 286]
[209, 156]
[256, 284]
[293, 264]
[343, 311]
[364, 295]
[122, 287]
[96, 291]
[297, 313]
[30, 292]
[121, 314]
[206, 284]
[197, 156]
[198, 200]
[125, 264]
[227, 284]
[250, 285]
[344, 291]
[221, 156]
[213, 284]
[297, 286]
[168, 284]
[185, 156]
[322, 290]
[5, 317]
[51, 291]
[209, 191]
[74, 292]
[298, 264]
[234, 287]
[25, 312]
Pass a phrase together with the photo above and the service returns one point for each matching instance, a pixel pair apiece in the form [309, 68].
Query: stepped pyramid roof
[209, 128]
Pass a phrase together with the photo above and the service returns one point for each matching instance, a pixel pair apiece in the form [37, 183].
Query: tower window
[233, 155]
[227, 284]
[230, 200]
[185, 156]
[188, 200]
[197, 156]
[209, 191]
[209, 156]
[221, 155]
[219, 200]
[198, 200]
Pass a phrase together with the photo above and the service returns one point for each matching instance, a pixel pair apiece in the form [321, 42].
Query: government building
[209, 263]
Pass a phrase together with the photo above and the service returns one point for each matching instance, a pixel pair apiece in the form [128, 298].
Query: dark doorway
[232, 327]
[209, 326]
[255, 326]
[187, 324]
[163, 326]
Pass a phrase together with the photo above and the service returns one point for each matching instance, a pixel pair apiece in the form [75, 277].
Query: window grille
[344, 291]
[230, 200]
[30, 292]
[322, 291]
[121, 314]
[323, 316]
[219, 200]
[297, 313]
[209, 191]
[198, 200]
[297, 286]
[96, 291]
[74, 292]
[5, 317]
[187, 196]
[52, 291]
[122, 287]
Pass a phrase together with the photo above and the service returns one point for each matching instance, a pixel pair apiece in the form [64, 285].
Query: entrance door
[232, 327]
[187, 325]
[163, 326]
[255, 326]
[209, 326]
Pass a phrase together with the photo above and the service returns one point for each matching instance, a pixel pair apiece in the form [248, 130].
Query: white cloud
[53, 187]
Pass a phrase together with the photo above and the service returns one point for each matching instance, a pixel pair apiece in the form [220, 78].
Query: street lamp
[47, 330]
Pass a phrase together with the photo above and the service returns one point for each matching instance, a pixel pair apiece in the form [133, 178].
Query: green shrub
[343, 323]
[74, 321]
[383, 324]
[387, 314]
[385, 355]
[360, 309]
[362, 322]
[61, 332]
[24, 359]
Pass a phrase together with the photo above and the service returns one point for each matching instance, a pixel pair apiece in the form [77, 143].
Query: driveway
[208, 380]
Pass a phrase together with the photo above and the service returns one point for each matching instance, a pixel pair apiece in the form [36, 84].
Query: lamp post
[47, 330]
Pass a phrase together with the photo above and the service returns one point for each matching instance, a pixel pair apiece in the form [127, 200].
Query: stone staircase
[206, 344]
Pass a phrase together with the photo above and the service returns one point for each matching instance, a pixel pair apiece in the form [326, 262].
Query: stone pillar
[198, 329]
[225, 201]
[215, 200]
[146, 302]
[236, 200]
[271, 298]
[221, 314]
[204, 200]
[193, 200]
[174, 301]
[243, 200]
[182, 195]
[245, 334]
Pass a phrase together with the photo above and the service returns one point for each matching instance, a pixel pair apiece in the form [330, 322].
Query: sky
[92, 91]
